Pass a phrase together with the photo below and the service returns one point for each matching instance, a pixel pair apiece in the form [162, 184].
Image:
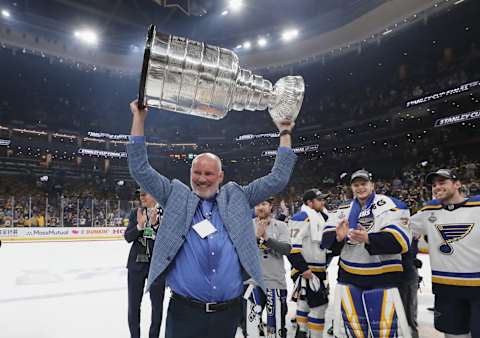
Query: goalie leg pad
[350, 319]
[385, 313]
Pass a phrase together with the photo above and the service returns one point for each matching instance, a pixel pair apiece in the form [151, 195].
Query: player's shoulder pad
[280, 223]
[399, 204]
[475, 198]
[432, 205]
[300, 216]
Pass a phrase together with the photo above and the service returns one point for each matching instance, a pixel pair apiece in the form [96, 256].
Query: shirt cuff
[284, 149]
[136, 139]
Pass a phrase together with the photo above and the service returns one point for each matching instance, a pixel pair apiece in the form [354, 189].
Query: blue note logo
[365, 219]
[452, 233]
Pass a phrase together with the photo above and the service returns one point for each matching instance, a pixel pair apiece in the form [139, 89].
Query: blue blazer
[234, 201]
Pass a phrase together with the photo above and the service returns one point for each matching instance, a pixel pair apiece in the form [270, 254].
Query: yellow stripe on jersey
[472, 203]
[317, 268]
[296, 248]
[456, 281]
[432, 207]
[366, 271]
[398, 236]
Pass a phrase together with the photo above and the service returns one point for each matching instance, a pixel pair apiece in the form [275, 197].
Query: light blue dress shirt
[207, 269]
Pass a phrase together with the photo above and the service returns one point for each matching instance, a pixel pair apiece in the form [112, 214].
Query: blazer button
[183, 237]
[169, 258]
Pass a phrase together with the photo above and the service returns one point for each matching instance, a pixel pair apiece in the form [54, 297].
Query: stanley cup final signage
[195, 78]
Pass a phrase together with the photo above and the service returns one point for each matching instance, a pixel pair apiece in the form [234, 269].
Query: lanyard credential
[205, 228]
[207, 215]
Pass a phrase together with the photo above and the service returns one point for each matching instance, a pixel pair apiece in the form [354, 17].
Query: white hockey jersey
[305, 238]
[453, 233]
[357, 264]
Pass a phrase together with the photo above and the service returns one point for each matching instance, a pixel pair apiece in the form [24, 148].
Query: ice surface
[79, 289]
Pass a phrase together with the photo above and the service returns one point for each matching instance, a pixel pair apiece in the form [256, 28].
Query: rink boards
[48, 234]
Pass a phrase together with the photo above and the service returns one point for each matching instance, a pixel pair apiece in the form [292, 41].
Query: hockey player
[370, 234]
[309, 264]
[274, 243]
[452, 224]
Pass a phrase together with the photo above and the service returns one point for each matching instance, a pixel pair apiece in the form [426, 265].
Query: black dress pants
[185, 321]
[136, 284]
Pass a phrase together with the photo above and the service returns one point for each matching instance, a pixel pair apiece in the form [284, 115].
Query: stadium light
[289, 34]
[87, 36]
[262, 42]
[247, 44]
[225, 12]
[235, 5]
[5, 13]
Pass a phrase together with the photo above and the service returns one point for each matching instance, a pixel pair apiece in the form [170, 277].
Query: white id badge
[204, 228]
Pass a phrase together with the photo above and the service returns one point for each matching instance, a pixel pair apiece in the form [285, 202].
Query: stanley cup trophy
[194, 78]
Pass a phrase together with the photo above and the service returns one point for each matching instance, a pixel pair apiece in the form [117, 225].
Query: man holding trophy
[205, 247]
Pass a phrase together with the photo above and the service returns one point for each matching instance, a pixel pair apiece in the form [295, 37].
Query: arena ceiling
[256, 30]
[123, 23]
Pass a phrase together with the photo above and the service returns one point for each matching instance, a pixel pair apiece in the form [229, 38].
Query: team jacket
[379, 263]
[453, 233]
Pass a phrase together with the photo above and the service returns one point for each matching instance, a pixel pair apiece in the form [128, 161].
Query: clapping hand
[342, 230]
[359, 234]
[261, 231]
[141, 219]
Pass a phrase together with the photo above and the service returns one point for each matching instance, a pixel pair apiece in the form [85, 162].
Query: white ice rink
[79, 290]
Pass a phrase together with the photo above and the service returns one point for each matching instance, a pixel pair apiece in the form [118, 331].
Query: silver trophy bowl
[194, 78]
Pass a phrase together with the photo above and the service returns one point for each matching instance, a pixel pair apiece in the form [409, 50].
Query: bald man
[205, 247]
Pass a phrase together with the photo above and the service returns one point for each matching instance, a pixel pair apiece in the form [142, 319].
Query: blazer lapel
[191, 207]
[222, 207]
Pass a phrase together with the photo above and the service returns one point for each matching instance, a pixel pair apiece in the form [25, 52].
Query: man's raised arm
[148, 178]
[266, 186]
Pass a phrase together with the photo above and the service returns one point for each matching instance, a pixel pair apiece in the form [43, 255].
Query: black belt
[208, 307]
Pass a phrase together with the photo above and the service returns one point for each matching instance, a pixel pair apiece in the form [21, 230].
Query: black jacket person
[142, 227]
